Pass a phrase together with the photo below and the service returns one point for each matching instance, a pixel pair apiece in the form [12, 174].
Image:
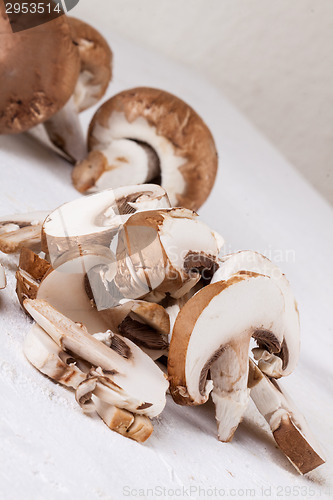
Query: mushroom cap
[39, 70]
[192, 143]
[96, 63]
[223, 314]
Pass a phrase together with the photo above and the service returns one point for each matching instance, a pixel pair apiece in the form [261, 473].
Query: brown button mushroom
[96, 64]
[39, 71]
[148, 135]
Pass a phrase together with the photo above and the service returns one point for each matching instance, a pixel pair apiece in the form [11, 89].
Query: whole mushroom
[40, 69]
[148, 135]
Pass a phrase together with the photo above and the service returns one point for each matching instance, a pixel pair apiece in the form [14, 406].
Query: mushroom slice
[95, 219]
[217, 323]
[126, 376]
[274, 364]
[149, 135]
[289, 427]
[156, 251]
[21, 230]
[45, 355]
[32, 269]
[2, 278]
[64, 286]
[136, 427]
[96, 64]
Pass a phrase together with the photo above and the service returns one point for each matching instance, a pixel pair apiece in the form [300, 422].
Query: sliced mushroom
[32, 269]
[96, 64]
[137, 427]
[213, 331]
[21, 230]
[126, 376]
[64, 287]
[39, 71]
[148, 135]
[3, 281]
[159, 250]
[45, 355]
[95, 219]
[269, 363]
[290, 430]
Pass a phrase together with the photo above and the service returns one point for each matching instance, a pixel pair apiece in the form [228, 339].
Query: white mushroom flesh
[257, 263]
[127, 377]
[116, 141]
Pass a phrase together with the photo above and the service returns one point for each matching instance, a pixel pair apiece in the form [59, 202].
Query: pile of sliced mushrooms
[130, 294]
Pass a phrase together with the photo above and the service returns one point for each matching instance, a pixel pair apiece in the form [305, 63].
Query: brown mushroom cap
[180, 125]
[96, 58]
[39, 71]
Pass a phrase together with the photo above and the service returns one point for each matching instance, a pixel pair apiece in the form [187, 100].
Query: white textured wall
[272, 58]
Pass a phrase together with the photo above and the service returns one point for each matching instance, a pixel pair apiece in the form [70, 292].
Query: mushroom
[21, 230]
[248, 260]
[289, 427]
[159, 250]
[125, 376]
[64, 287]
[137, 427]
[213, 331]
[40, 68]
[2, 278]
[96, 218]
[45, 355]
[149, 135]
[96, 64]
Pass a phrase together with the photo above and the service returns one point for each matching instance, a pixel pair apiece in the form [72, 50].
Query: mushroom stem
[230, 393]
[289, 427]
[65, 132]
